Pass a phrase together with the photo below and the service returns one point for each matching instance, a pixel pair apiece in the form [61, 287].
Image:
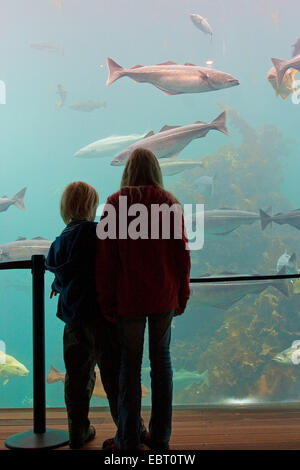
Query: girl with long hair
[142, 273]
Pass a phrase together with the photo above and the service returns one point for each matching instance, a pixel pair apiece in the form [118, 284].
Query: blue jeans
[131, 332]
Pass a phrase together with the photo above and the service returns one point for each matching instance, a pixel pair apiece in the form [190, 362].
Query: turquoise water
[231, 349]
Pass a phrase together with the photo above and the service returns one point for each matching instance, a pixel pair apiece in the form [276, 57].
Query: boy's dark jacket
[72, 259]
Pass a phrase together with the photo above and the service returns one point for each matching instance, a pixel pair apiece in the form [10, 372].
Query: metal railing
[41, 437]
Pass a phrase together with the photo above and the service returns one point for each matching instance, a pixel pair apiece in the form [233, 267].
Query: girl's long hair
[142, 169]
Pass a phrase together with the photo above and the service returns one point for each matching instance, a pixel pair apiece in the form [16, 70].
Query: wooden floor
[202, 429]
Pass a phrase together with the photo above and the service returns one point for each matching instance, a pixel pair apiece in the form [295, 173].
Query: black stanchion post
[40, 437]
[38, 311]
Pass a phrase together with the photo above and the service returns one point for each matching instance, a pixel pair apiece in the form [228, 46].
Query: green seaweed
[237, 346]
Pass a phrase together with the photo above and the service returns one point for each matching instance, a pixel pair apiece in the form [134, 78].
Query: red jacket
[137, 277]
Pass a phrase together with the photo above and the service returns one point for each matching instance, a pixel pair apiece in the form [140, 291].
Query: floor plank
[193, 429]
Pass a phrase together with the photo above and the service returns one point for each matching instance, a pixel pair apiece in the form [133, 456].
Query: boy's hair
[79, 201]
[142, 168]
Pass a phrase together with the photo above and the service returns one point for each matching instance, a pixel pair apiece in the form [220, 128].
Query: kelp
[237, 346]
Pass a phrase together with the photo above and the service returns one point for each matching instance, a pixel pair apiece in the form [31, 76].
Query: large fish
[107, 146]
[282, 66]
[17, 200]
[202, 24]
[174, 166]
[10, 367]
[55, 375]
[171, 140]
[290, 218]
[222, 221]
[172, 78]
[223, 295]
[22, 249]
[288, 84]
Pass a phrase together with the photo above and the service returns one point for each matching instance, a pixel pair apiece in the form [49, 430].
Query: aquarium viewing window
[213, 89]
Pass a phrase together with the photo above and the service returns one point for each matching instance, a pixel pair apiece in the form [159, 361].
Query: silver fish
[289, 261]
[88, 106]
[172, 78]
[202, 24]
[291, 218]
[223, 221]
[22, 249]
[205, 184]
[62, 93]
[17, 200]
[107, 146]
[47, 46]
[223, 295]
[282, 66]
[170, 140]
[171, 167]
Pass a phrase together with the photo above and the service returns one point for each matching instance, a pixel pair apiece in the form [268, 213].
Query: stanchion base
[29, 440]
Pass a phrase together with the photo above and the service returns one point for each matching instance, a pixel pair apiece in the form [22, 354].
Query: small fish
[202, 24]
[282, 66]
[60, 90]
[107, 146]
[28, 401]
[173, 166]
[22, 249]
[17, 200]
[55, 375]
[10, 367]
[47, 46]
[171, 140]
[290, 356]
[88, 106]
[205, 184]
[288, 84]
[289, 261]
[275, 19]
[172, 78]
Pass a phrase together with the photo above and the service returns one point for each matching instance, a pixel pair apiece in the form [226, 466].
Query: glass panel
[59, 94]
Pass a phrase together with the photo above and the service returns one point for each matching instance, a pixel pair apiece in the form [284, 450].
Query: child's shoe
[78, 443]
